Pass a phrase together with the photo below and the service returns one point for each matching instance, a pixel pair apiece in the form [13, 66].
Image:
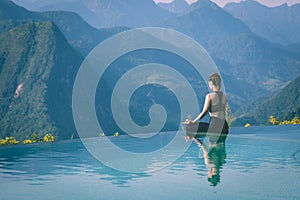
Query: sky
[221, 3]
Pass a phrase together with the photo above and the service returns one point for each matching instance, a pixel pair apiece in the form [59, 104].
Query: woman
[215, 104]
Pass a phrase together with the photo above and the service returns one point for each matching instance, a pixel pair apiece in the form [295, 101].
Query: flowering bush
[9, 141]
[275, 121]
[34, 138]
[27, 141]
[48, 138]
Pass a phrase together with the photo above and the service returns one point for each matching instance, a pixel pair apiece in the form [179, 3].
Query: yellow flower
[48, 138]
[273, 120]
[10, 140]
[2, 142]
[27, 141]
[247, 125]
[116, 134]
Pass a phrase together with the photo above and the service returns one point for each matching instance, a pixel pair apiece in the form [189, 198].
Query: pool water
[254, 163]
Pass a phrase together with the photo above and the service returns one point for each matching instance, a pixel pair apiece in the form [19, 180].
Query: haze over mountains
[42, 51]
[277, 24]
[106, 13]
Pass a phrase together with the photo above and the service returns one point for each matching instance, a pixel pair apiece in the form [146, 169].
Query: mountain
[82, 36]
[106, 13]
[35, 5]
[41, 46]
[78, 7]
[283, 104]
[251, 66]
[239, 53]
[19, 13]
[279, 24]
[247, 60]
[176, 6]
[204, 22]
[37, 70]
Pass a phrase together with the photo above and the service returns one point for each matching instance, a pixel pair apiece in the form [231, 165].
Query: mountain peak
[176, 6]
[204, 3]
[9, 10]
[257, 4]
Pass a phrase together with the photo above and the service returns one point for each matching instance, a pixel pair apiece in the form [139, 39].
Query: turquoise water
[254, 163]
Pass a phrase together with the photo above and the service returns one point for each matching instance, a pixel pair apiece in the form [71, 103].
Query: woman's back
[218, 103]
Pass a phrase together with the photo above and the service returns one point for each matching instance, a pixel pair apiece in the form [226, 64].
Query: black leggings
[215, 125]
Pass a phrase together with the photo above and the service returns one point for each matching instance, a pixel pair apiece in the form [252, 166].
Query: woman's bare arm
[204, 110]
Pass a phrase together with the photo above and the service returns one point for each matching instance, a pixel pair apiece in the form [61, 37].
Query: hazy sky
[265, 2]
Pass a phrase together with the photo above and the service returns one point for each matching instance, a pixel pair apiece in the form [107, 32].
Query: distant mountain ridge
[280, 24]
[106, 13]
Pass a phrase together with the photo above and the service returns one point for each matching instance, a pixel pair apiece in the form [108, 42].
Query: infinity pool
[254, 163]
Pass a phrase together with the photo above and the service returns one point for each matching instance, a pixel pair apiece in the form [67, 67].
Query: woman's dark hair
[215, 79]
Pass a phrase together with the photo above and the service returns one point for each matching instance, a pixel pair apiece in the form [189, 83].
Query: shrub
[273, 120]
[48, 138]
[27, 141]
[36, 138]
[9, 141]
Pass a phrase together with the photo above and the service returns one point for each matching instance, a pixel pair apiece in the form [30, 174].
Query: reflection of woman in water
[215, 104]
[214, 158]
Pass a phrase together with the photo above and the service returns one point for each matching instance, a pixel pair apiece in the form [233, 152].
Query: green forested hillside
[38, 64]
[37, 68]
[284, 105]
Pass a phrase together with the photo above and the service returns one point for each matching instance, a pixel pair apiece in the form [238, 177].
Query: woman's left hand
[187, 121]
